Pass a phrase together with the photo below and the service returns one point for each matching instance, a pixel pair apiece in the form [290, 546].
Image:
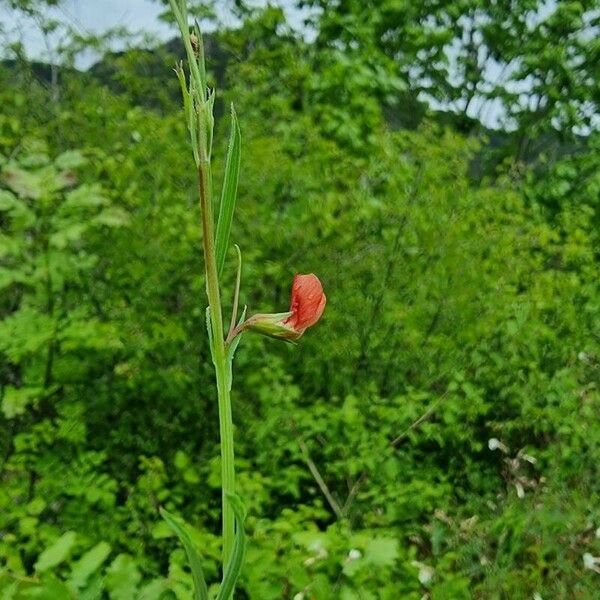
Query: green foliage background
[436, 435]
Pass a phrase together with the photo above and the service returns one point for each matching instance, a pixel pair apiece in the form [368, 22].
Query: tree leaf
[50, 589]
[71, 159]
[25, 332]
[7, 200]
[10, 276]
[112, 217]
[122, 578]
[16, 400]
[381, 551]
[62, 238]
[83, 197]
[154, 590]
[24, 183]
[56, 553]
[89, 563]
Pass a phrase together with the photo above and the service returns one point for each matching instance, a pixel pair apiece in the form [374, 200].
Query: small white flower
[520, 490]
[583, 357]
[591, 562]
[537, 596]
[354, 554]
[496, 444]
[426, 572]
[319, 553]
[299, 596]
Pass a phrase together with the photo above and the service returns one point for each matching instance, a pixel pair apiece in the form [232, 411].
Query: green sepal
[273, 325]
[179, 528]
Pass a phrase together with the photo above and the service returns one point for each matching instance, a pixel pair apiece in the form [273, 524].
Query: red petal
[308, 302]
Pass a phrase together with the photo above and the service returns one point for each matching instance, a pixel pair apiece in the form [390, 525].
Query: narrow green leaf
[229, 193]
[234, 567]
[231, 352]
[180, 529]
[236, 293]
[211, 342]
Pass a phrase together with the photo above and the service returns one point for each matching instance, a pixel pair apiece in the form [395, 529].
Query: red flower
[308, 302]
[306, 307]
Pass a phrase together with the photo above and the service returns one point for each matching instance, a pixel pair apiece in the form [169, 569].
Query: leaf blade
[56, 553]
[88, 564]
[234, 566]
[229, 192]
[200, 589]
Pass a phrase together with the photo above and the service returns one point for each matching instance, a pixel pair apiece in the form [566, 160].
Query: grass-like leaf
[229, 193]
[179, 527]
[234, 566]
[230, 351]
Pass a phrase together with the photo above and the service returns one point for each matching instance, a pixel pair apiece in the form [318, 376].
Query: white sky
[97, 16]
[87, 17]
[141, 16]
[138, 16]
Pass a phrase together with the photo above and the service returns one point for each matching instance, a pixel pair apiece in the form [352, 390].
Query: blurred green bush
[435, 436]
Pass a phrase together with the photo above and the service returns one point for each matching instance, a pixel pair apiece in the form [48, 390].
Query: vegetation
[436, 435]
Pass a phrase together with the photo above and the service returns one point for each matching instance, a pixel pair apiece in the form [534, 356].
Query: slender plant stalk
[198, 106]
[307, 305]
[219, 358]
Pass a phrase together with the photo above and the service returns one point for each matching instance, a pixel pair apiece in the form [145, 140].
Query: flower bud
[195, 42]
[306, 307]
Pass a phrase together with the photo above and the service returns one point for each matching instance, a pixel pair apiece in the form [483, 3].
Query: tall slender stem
[220, 360]
[198, 108]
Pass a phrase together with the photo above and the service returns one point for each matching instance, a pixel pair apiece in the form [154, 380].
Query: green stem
[198, 100]
[219, 357]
